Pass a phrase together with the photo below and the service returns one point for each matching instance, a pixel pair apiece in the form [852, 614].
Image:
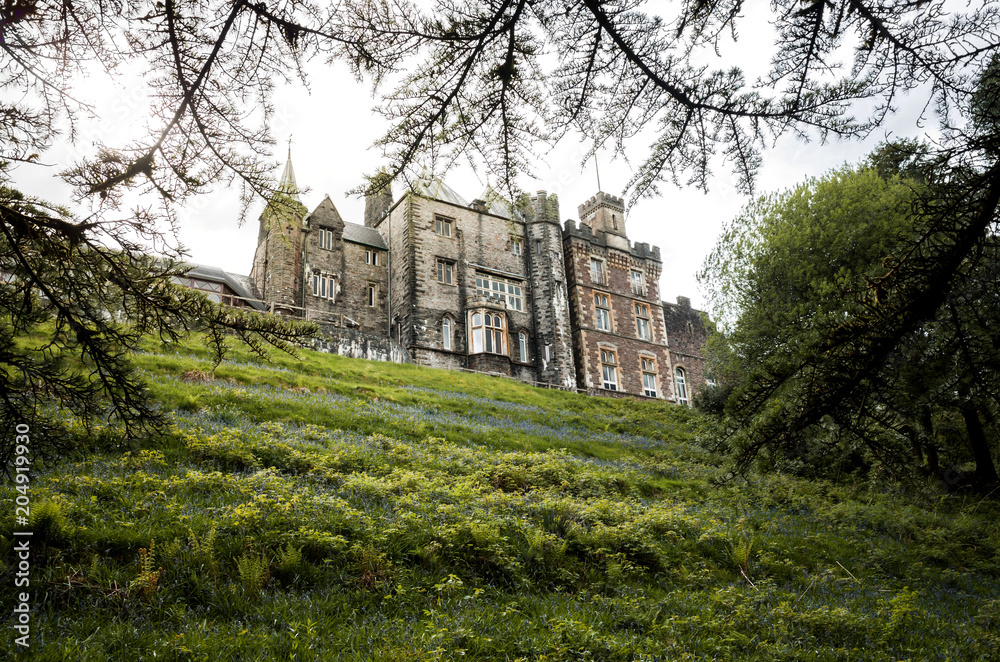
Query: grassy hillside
[335, 509]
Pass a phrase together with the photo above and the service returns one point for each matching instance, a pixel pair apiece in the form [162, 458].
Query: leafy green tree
[795, 273]
[779, 276]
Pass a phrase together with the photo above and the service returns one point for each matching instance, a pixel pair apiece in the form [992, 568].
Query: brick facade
[613, 288]
[490, 287]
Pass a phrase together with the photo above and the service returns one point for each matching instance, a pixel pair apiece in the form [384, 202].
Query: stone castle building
[486, 286]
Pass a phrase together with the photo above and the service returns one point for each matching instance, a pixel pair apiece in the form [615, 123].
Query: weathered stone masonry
[485, 286]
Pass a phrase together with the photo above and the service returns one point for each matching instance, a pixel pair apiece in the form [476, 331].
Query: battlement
[585, 232]
[644, 251]
[545, 208]
[602, 199]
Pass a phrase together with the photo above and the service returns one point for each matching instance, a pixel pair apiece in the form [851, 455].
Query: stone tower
[606, 213]
[277, 270]
[546, 267]
[620, 340]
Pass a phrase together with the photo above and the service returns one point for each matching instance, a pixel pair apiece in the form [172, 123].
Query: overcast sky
[333, 127]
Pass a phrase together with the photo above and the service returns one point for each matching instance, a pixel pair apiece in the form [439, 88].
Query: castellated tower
[619, 337]
[276, 272]
[553, 335]
[606, 213]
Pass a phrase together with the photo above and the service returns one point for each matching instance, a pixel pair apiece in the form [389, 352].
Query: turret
[553, 334]
[274, 275]
[606, 213]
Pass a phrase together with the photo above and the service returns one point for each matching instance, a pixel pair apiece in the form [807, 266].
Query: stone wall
[479, 242]
[358, 344]
[687, 335]
[553, 338]
[347, 262]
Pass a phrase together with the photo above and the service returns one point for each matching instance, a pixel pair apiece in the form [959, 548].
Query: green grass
[327, 508]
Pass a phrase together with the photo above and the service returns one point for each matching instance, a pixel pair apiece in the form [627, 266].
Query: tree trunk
[986, 472]
[916, 448]
[927, 425]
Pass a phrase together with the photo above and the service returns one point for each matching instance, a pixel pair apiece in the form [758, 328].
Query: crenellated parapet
[644, 251]
[602, 199]
[544, 208]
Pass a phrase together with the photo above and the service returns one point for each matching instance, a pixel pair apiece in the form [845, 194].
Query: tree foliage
[802, 273]
[76, 298]
[488, 79]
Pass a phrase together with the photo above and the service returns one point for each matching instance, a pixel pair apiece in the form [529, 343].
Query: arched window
[446, 333]
[488, 333]
[682, 394]
[522, 346]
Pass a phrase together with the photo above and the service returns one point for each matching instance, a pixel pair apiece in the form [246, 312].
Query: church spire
[287, 183]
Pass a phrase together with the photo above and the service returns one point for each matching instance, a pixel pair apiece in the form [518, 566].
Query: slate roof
[360, 234]
[498, 205]
[433, 187]
[237, 283]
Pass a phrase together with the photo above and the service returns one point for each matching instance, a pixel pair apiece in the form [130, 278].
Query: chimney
[378, 199]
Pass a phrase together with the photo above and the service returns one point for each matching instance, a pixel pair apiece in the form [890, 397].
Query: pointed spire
[287, 183]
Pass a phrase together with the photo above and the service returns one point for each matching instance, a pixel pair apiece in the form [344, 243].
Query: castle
[486, 286]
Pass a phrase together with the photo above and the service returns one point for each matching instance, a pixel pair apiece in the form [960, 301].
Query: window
[614, 221]
[609, 369]
[642, 321]
[371, 257]
[325, 238]
[602, 311]
[597, 270]
[501, 289]
[638, 283]
[522, 347]
[538, 246]
[442, 226]
[488, 333]
[682, 393]
[547, 357]
[446, 333]
[649, 377]
[446, 272]
[324, 286]
[515, 245]
[372, 294]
